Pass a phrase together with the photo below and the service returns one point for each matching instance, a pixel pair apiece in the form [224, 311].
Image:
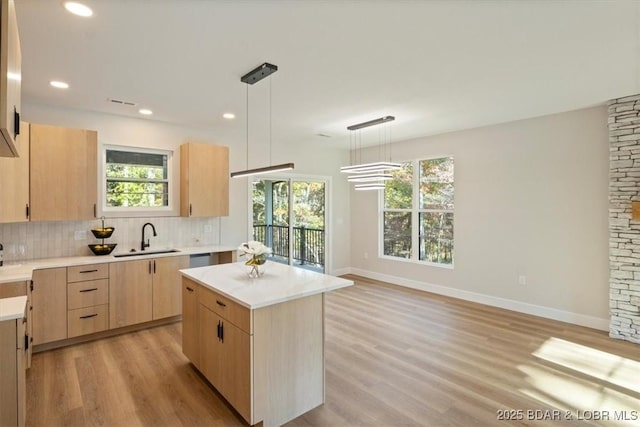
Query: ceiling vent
[121, 102]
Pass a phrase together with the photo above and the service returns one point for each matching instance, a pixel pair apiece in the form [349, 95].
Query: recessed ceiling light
[145, 111]
[78, 9]
[59, 84]
[229, 116]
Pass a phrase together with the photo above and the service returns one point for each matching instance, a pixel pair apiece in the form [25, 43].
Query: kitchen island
[259, 341]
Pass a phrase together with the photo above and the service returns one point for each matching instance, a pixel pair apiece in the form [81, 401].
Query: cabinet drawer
[87, 320]
[81, 273]
[13, 289]
[87, 294]
[226, 308]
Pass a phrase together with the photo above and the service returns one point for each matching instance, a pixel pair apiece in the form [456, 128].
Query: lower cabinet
[144, 290]
[190, 346]
[225, 357]
[268, 362]
[49, 296]
[87, 299]
[13, 360]
[19, 289]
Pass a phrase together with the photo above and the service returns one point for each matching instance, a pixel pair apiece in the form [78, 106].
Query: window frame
[416, 210]
[147, 211]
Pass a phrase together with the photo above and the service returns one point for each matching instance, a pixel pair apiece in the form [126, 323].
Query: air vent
[121, 102]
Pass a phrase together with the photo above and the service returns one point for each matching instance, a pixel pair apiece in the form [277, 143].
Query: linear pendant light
[250, 78]
[373, 174]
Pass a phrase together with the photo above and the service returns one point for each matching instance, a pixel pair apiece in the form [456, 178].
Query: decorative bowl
[103, 233]
[102, 249]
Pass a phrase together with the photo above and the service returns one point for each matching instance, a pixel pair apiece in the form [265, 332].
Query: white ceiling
[437, 66]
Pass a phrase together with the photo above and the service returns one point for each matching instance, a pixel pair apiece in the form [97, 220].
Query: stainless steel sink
[151, 252]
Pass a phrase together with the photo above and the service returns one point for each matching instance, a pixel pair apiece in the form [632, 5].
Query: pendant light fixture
[250, 78]
[371, 175]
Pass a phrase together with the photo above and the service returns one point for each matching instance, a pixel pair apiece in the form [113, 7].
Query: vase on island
[257, 257]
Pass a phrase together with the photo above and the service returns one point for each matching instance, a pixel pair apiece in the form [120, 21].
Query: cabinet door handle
[88, 316]
[89, 271]
[222, 331]
[88, 290]
[26, 342]
[149, 267]
[154, 266]
[27, 211]
[16, 122]
[220, 303]
[95, 213]
[190, 209]
[218, 334]
[189, 289]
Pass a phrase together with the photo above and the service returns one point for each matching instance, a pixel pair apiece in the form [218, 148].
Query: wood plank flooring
[394, 357]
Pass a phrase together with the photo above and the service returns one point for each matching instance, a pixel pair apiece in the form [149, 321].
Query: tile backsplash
[29, 241]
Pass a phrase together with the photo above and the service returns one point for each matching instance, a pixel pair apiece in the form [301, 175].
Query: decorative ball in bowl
[102, 233]
[102, 249]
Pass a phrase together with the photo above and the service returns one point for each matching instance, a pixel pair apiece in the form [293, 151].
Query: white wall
[531, 198]
[309, 159]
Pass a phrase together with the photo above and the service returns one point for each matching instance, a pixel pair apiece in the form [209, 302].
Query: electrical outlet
[522, 279]
[80, 235]
[208, 228]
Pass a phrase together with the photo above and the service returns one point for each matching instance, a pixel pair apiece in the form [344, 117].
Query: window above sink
[136, 182]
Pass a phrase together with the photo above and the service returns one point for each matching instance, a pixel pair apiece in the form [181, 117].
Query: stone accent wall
[624, 232]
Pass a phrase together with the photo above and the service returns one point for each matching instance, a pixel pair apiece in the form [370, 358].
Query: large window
[136, 179]
[418, 212]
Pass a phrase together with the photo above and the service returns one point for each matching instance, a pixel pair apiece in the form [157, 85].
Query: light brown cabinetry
[10, 81]
[268, 362]
[204, 180]
[14, 182]
[167, 295]
[190, 346]
[49, 296]
[131, 293]
[87, 299]
[19, 289]
[13, 359]
[225, 357]
[63, 173]
[144, 290]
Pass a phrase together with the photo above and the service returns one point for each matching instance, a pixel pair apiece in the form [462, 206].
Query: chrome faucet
[143, 244]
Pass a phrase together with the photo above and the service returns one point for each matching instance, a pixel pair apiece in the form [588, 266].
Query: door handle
[88, 290]
[88, 316]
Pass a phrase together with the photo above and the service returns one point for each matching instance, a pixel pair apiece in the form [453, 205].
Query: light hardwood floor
[394, 357]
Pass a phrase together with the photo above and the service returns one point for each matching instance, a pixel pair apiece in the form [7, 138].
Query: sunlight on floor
[608, 367]
[585, 382]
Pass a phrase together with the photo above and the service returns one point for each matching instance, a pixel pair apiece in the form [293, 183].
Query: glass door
[289, 217]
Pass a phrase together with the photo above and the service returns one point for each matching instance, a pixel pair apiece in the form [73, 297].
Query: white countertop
[21, 272]
[12, 308]
[279, 283]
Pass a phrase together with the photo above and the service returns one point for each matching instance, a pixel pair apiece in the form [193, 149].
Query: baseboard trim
[522, 307]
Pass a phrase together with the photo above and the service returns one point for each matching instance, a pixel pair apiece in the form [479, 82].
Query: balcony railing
[308, 243]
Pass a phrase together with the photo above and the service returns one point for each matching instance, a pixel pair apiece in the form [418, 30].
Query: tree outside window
[136, 179]
[418, 212]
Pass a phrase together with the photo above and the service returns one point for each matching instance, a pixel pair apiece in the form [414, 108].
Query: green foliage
[136, 186]
[398, 191]
[435, 218]
[308, 203]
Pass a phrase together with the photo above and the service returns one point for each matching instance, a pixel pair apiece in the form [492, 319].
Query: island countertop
[279, 283]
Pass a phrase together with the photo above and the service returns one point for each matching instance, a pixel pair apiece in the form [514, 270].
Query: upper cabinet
[14, 183]
[10, 77]
[63, 173]
[204, 180]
